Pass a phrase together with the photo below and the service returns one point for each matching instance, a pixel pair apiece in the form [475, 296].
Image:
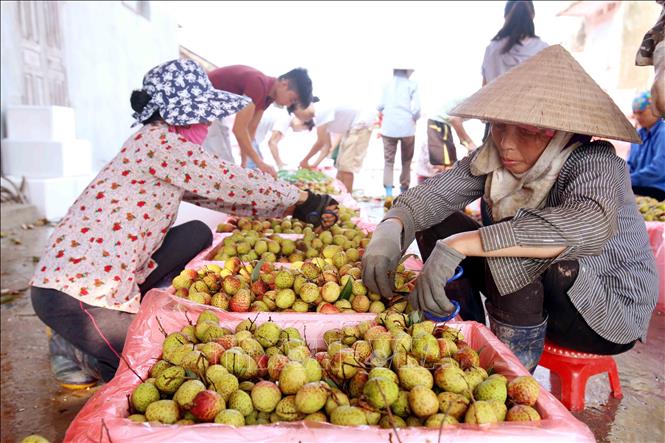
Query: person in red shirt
[294, 87]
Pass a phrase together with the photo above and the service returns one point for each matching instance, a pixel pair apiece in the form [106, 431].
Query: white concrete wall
[107, 49]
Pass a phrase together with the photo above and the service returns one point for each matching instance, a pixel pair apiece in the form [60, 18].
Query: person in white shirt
[355, 128]
[280, 128]
[400, 110]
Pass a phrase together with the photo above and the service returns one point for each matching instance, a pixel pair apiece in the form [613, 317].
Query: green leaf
[415, 317]
[331, 383]
[256, 272]
[191, 375]
[347, 290]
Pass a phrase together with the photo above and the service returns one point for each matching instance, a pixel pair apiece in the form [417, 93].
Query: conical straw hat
[550, 90]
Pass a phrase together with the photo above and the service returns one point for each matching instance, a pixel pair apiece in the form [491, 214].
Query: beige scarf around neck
[506, 192]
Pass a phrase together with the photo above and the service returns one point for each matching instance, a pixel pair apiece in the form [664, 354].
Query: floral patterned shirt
[101, 250]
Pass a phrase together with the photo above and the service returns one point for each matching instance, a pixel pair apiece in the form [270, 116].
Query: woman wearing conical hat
[563, 251]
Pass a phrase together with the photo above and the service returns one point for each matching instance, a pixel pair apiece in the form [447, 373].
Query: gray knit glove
[381, 258]
[429, 294]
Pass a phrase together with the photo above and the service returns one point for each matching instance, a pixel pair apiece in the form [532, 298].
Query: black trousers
[649, 191]
[65, 315]
[546, 296]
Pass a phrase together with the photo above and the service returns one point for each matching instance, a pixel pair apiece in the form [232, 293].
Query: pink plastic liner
[656, 231]
[103, 418]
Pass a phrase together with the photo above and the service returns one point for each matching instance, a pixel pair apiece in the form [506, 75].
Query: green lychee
[435, 421]
[185, 394]
[522, 413]
[163, 411]
[230, 417]
[423, 401]
[311, 397]
[136, 418]
[286, 409]
[453, 404]
[265, 396]
[292, 377]
[143, 395]
[401, 406]
[491, 389]
[411, 376]
[170, 380]
[224, 384]
[267, 334]
[241, 401]
[425, 348]
[381, 392]
[348, 416]
[451, 379]
[312, 369]
[388, 422]
[480, 412]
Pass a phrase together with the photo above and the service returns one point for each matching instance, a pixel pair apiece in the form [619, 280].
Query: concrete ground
[32, 402]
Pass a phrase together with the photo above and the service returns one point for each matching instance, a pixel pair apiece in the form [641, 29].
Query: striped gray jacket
[590, 210]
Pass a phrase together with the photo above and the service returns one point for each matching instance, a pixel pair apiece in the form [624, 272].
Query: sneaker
[71, 367]
[389, 191]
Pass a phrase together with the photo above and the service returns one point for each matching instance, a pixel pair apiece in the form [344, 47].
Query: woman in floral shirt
[115, 243]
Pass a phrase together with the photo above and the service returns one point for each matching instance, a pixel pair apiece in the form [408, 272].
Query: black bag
[440, 143]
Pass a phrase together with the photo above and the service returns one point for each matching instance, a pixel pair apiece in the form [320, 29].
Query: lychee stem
[108, 433]
[390, 414]
[445, 414]
[161, 328]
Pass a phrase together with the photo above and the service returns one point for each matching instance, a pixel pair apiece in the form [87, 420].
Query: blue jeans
[250, 162]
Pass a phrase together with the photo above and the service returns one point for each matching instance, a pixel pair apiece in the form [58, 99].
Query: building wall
[612, 33]
[107, 48]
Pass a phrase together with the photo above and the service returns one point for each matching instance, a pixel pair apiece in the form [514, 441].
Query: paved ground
[33, 403]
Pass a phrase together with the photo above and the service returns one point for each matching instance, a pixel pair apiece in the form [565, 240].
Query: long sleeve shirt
[400, 105]
[590, 210]
[647, 161]
[101, 250]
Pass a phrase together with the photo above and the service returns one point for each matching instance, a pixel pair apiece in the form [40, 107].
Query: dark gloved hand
[381, 257]
[429, 294]
[317, 210]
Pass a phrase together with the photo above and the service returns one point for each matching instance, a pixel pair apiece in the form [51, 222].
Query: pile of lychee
[650, 208]
[286, 225]
[250, 244]
[328, 286]
[383, 372]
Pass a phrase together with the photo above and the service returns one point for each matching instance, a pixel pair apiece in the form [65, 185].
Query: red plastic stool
[574, 369]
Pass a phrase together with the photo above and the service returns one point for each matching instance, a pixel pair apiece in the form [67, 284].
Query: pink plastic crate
[103, 416]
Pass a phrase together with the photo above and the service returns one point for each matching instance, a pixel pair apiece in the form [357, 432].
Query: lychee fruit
[311, 397]
[524, 390]
[207, 404]
[143, 395]
[265, 396]
[230, 417]
[423, 401]
[163, 411]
